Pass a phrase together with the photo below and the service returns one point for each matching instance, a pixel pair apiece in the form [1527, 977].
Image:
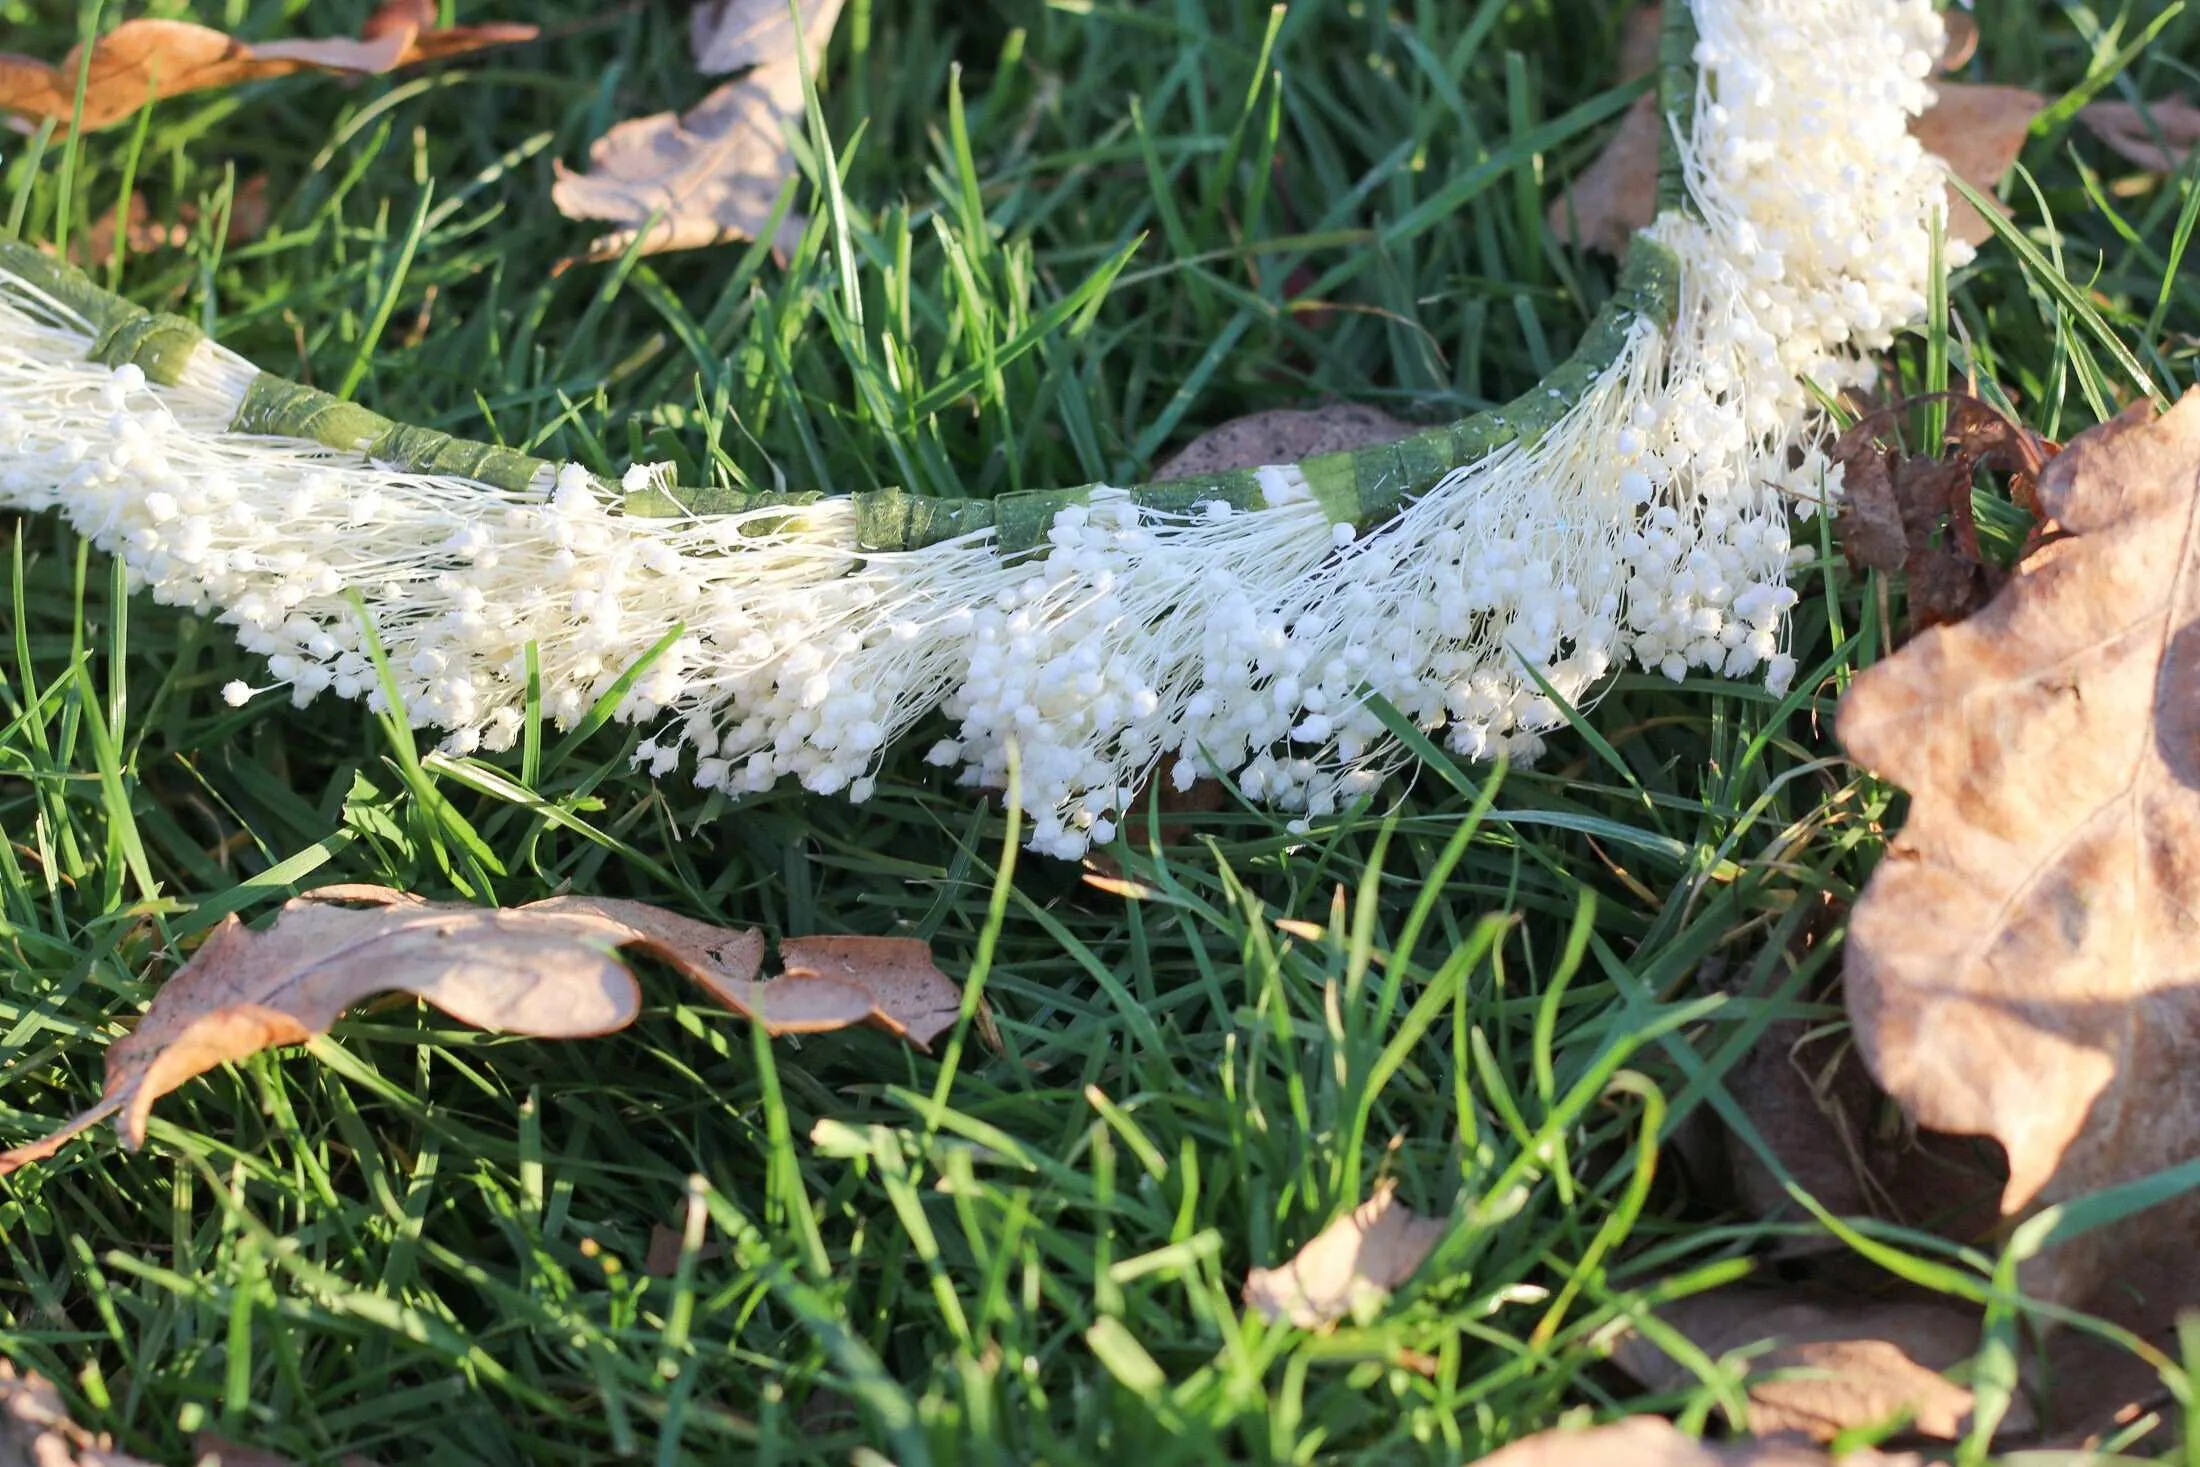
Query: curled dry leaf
[2158, 137]
[1894, 505]
[2025, 962]
[36, 1430]
[1834, 1364]
[1650, 1441]
[715, 172]
[1814, 1107]
[732, 35]
[885, 981]
[1978, 131]
[1617, 193]
[1962, 40]
[551, 970]
[142, 61]
[1347, 1268]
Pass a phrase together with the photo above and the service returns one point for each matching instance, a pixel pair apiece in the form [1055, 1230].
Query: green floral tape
[1365, 485]
[122, 331]
[1677, 98]
[280, 409]
[1361, 486]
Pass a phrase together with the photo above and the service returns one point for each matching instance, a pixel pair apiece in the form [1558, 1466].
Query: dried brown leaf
[36, 1429]
[663, 1259]
[1282, 436]
[1651, 1441]
[1870, 524]
[1347, 1268]
[211, 1449]
[732, 35]
[1978, 131]
[145, 235]
[1834, 1363]
[552, 970]
[892, 977]
[715, 172]
[1617, 193]
[142, 61]
[2024, 963]
[1962, 40]
[2157, 137]
[1912, 512]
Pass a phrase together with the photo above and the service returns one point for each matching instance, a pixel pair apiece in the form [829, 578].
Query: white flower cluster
[1135, 637]
[785, 653]
[1650, 524]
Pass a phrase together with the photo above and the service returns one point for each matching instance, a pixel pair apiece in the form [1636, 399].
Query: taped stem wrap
[282, 409]
[122, 331]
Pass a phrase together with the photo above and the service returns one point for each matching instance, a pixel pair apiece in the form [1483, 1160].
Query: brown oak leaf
[1617, 193]
[1282, 436]
[2157, 137]
[1833, 1363]
[2025, 962]
[552, 969]
[37, 1431]
[1348, 1267]
[142, 61]
[1651, 1441]
[1912, 512]
[1978, 131]
[714, 172]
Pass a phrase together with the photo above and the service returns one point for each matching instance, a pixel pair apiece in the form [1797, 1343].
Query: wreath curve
[1634, 507]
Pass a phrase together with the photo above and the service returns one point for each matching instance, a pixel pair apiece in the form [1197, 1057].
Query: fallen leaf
[551, 969]
[1651, 1441]
[1347, 1268]
[1813, 1104]
[663, 1259]
[1912, 512]
[211, 1449]
[732, 35]
[36, 1430]
[1978, 131]
[145, 235]
[1870, 524]
[1834, 1363]
[1282, 436]
[891, 978]
[2025, 961]
[1617, 193]
[143, 61]
[715, 172]
[2159, 137]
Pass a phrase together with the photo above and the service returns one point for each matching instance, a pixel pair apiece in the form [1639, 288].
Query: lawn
[1080, 232]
